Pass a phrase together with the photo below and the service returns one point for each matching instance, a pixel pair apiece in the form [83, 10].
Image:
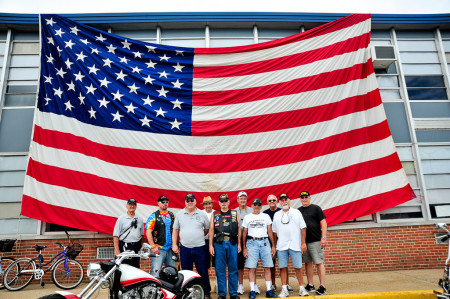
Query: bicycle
[444, 282]
[5, 262]
[67, 273]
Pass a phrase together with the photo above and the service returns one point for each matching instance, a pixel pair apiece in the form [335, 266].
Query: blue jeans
[226, 255]
[197, 255]
[165, 257]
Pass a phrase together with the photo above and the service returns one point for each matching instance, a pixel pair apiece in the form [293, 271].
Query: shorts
[240, 260]
[258, 249]
[315, 253]
[283, 258]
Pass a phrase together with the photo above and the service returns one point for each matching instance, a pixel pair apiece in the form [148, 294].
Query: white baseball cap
[242, 193]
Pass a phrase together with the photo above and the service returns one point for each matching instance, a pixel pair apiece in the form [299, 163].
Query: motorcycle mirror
[441, 226]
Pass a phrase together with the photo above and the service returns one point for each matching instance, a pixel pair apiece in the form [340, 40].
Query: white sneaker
[303, 291]
[284, 293]
[290, 289]
[240, 289]
[257, 290]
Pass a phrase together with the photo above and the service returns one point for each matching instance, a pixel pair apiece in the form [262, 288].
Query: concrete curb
[421, 294]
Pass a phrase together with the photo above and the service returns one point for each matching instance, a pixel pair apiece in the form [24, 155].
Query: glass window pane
[16, 226]
[220, 32]
[445, 33]
[18, 100]
[25, 60]
[25, 48]
[387, 81]
[3, 34]
[427, 94]
[438, 196]
[15, 130]
[434, 152]
[190, 43]
[430, 110]
[412, 179]
[408, 166]
[433, 135]
[170, 33]
[21, 87]
[405, 153]
[392, 70]
[26, 36]
[136, 34]
[380, 34]
[446, 44]
[415, 45]
[387, 94]
[437, 180]
[411, 57]
[2, 48]
[436, 167]
[11, 194]
[12, 178]
[23, 73]
[230, 42]
[13, 163]
[276, 33]
[425, 81]
[415, 69]
[414, 34]
[380, 42]
[396, 116]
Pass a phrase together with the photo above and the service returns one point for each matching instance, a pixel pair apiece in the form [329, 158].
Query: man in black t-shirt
[316, 240]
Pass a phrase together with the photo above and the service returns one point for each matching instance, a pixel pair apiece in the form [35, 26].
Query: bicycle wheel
[67, 278]
[19, 274]
[4, 264]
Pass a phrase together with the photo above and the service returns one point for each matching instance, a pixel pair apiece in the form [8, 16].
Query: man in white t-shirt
[258, 235]
[289, 230]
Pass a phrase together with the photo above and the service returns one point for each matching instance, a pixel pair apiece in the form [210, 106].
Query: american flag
[119, 118]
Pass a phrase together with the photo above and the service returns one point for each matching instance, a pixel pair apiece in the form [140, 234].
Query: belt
[257, 239]
[225, 238]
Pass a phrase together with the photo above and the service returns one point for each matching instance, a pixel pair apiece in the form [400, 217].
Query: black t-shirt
[312, 215]
[226, 217]
[271, 213]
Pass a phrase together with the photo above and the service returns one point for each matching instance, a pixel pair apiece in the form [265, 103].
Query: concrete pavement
[407, 284]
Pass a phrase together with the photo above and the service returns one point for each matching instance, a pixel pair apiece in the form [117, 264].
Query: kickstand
[42, 283]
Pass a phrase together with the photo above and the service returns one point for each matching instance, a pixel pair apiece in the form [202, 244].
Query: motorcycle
[444, 282]
[127, 282]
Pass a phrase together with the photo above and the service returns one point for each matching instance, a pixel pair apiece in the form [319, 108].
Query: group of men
[232, 239]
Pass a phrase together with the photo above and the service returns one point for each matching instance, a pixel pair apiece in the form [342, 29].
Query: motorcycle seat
[39, 247]
[176, 286]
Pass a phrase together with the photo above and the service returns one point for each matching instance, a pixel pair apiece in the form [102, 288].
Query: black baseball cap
[304, 193]
[257, 200]
[162, 197]
[284, 195]
[132, 201]
[223, 197]
[189, 196]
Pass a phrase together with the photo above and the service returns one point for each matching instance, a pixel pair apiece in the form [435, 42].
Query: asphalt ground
[407, 284]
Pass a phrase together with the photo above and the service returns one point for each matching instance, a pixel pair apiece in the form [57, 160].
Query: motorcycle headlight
[93, 270]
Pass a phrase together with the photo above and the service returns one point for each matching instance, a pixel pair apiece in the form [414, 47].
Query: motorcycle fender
[68, 295]
[133, 276]
[190, 277]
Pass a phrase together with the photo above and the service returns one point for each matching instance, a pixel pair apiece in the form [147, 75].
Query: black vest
[159, 231]
[219, 228]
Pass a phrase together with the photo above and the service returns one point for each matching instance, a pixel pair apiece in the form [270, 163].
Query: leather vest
[159, 231]
[219, 227]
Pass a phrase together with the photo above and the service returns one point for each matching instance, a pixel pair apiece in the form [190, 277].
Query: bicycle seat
[39, 247]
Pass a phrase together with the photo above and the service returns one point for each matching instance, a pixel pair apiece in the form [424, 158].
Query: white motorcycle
[444, 282]
[127, 282]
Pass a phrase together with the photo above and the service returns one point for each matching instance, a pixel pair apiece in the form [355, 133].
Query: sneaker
[240, 289]
[252, 295]
[303, 291]
[290, 289]
[284, 293]
[257, 291]
[273, 287]
[321, 290]
[271, 294]
[310, 288]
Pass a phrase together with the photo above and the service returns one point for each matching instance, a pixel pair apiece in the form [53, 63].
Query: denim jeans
[197, 255]
[165, 257]
[226, 255]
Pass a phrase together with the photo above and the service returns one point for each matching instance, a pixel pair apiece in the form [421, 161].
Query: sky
[318, 6]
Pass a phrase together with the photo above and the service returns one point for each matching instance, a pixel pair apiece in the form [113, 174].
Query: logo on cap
[304, 193]
[189, 196]
[132, 201]
[284, 195]
[242, 193]
[162, 197]
[223, 197]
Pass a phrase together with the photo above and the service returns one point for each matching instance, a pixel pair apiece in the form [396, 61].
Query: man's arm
[116, 245]
[239, 234]
[323, 240]
[175, 234]
[304, 240]
[211, 236]
[271, 238]
[244, 247]
[149, 235]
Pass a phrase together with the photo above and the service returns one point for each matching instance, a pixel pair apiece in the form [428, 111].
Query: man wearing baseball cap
[128, 233]
[316, 240]
[159, 234]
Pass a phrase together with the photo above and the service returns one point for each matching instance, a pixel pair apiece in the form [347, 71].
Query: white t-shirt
[288, 226]
[209, 218]
[257, 225]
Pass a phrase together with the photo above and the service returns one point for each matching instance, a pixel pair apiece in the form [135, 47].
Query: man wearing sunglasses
[224, 244]
[316, 240]
[159, 235]
[259, 244]
[191, 225]
[289, 230]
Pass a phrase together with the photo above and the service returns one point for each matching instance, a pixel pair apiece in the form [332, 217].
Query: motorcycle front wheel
[194, 292]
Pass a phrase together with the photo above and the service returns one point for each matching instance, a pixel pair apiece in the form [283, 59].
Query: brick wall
[348, 250]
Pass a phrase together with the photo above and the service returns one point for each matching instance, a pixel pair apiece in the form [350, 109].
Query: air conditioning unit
[383, 56]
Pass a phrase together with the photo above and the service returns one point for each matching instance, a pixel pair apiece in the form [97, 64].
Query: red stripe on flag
[323, 80]
[286, 119]
[369, 205]
[327, 28]
[37, 209]
[110, 188]
[212, 163]
[284, 62]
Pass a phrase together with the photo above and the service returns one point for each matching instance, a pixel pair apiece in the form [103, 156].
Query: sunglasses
[223, 200]
[164, 201]
[257, 204]
[190, 200]
[272, 200]
[304, 196]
